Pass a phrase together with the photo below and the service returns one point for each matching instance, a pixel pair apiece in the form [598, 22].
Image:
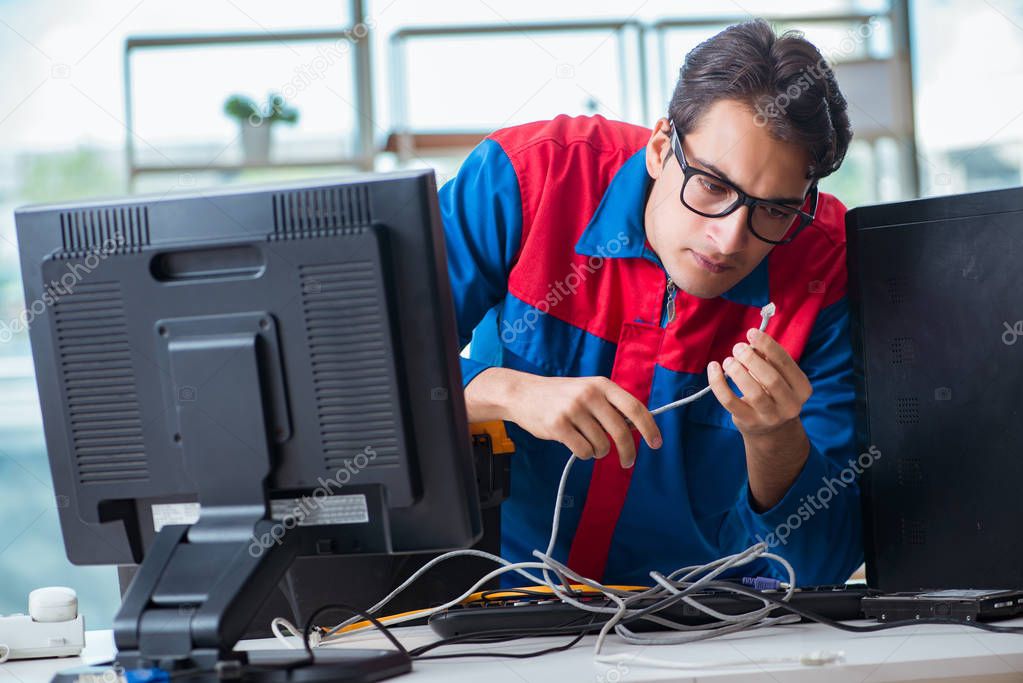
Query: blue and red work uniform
[552, 275]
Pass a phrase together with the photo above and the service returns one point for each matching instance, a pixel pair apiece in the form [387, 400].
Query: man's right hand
[579, 412]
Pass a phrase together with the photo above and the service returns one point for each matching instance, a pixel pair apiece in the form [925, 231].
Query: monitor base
[340, 665]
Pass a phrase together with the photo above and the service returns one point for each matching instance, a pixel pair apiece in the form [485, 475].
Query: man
[607, 269]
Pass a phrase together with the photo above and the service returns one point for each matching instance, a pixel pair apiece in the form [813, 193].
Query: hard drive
[965, 605]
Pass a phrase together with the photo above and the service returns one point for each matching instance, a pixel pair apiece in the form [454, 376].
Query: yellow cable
[491, 595]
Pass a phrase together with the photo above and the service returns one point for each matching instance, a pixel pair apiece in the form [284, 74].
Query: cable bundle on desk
[556, 576]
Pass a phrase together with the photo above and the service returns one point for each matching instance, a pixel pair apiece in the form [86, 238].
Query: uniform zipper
[669, 302]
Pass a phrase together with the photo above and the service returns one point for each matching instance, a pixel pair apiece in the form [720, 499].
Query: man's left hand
[774, 388]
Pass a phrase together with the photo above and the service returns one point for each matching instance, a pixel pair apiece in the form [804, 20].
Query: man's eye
[774, 213]
[712, 187]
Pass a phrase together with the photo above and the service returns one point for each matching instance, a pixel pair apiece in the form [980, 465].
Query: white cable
[766, 313]
[509, 566]
[334, 633]
[816, 658]
[519, 567]
[741, 621]
[280, 622]
[711, 570]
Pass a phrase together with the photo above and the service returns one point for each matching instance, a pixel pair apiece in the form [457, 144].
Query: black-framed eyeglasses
[712, 197]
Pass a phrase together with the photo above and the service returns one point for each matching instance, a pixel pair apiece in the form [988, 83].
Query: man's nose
[729, 232]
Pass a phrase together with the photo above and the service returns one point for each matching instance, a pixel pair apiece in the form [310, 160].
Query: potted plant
[256, 123]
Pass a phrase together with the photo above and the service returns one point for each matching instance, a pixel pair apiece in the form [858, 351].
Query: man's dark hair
[785, 81]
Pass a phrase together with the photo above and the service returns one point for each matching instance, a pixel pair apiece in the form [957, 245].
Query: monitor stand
[199, 586]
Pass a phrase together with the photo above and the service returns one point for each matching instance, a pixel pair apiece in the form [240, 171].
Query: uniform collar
[616, 230]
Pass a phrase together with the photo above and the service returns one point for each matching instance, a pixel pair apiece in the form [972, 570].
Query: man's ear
[658, 148]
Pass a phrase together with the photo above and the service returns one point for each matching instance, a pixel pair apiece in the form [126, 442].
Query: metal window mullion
[364, 120]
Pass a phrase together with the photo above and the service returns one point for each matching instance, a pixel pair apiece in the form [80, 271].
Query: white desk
[99, 647]
[949, 654]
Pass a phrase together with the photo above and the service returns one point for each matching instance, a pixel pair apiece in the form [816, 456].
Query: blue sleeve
[817, 526]
[482, 213]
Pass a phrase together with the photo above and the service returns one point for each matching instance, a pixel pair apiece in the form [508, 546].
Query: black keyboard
[529, 612]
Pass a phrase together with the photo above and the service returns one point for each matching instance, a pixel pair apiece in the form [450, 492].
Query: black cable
[308, 628]
[505, 655]
[306, 632]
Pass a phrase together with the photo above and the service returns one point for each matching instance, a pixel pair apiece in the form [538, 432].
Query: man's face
[707, 256]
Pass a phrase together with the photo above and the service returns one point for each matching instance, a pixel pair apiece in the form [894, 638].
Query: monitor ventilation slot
[907, 410]
[113, 230]
[910, 472]
[99, 385]
[902, 351]
[896, 287]
[347, 349]
[328, 210]
[914, 531]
